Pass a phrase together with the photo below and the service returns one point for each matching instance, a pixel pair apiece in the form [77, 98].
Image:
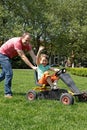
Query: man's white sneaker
[8, 96]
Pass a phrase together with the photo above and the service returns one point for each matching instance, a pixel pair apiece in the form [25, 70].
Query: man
[13, 47]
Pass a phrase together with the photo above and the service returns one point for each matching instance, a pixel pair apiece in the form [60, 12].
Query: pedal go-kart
[64, 96]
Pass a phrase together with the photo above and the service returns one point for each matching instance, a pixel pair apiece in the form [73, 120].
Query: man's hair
[26, 33]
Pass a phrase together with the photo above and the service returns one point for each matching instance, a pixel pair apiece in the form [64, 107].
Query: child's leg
[54, 79]
[43, 79]
[50, 82]
[46, 79]
[55, 83]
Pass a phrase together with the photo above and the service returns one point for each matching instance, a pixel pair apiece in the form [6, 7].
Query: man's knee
[9, 73]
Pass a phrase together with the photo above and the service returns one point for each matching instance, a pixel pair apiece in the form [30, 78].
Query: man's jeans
[6, 73]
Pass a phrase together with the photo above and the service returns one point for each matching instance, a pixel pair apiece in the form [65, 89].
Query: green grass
[20, 114]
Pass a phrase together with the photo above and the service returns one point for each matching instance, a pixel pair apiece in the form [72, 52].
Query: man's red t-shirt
[10, 47]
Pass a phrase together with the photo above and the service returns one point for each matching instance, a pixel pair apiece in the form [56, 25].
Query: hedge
[78, 71]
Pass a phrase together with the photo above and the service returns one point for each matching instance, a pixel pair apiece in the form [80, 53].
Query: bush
[78, 71]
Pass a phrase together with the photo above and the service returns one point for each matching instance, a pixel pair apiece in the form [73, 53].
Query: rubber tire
[40, 95]
[31, 95]
[67, 99]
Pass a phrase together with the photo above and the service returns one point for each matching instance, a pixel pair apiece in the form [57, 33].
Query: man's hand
[34, 68]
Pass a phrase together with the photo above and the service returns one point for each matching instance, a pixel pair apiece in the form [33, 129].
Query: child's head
[43, 59]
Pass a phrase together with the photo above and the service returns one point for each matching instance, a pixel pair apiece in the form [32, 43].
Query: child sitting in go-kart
[44, 76]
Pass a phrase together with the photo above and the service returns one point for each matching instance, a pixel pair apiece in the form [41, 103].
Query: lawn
[20, 114]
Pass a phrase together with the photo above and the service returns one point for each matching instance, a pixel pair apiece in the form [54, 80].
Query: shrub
[78, 71]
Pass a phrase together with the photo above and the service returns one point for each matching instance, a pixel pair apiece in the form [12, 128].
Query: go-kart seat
[36, 79]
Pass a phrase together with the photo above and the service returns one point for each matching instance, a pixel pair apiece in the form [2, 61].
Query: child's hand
[41, 48]
[56, 70]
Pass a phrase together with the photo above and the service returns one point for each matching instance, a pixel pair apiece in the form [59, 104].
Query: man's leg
[2, 75]
[8, 78]
[7, 69]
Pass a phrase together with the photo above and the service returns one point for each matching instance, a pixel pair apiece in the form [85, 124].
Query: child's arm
[54, 69]
[38, 54]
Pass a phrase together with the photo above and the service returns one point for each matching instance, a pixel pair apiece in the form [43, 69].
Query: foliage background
[61, 23]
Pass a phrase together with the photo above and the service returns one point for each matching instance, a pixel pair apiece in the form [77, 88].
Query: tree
[61, 23]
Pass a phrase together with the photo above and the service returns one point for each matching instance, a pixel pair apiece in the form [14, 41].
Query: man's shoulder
[12, 41]
[15, 39]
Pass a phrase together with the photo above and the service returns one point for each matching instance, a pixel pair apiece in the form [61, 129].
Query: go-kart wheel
[40, 95]
[82, 97]
[67, 99]
[31, 95]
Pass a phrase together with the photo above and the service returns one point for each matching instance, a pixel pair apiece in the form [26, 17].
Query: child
[42, 68]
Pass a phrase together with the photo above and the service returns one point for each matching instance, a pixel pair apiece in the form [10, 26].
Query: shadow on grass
[19, 93]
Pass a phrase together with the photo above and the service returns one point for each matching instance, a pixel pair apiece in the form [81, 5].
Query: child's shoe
[55, 86]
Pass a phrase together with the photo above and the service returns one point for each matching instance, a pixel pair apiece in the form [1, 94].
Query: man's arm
[25, 59]
[33, 56]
